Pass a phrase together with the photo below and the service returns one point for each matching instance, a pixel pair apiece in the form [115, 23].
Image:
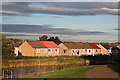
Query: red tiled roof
[50, 44]
[94, 45]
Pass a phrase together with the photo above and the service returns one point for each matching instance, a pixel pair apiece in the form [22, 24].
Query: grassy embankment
[75, 72]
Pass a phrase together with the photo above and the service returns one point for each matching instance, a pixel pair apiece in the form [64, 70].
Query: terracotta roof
[94, 45]
[50, 44]
[17, 44]
[78, 46]
[36, 44]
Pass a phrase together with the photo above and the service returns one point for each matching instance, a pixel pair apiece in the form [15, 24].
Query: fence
[7, 74]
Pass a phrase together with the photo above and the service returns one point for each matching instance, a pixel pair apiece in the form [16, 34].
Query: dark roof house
[78, 46]
[17, 44]
[36, 44]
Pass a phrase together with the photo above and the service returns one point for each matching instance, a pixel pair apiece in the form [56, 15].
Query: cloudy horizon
[75, 21]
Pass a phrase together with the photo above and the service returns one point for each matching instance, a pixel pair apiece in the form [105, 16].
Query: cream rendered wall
[62, 48]
[26, 49]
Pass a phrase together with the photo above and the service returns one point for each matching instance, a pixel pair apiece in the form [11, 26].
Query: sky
[75, 21]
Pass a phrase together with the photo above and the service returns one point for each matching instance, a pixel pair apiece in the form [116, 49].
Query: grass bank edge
[75, 72]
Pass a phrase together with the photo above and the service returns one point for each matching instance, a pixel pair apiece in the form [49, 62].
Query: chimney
[87, 42]
[69, 41]
[38, 40]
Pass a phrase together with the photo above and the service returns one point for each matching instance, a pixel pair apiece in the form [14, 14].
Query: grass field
[76, 72]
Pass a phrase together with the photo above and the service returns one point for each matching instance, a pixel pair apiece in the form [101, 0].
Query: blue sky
[69, 21]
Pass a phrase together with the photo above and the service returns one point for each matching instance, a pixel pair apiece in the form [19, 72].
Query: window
[89, 51]
[73, 51]
[96, 50]
[49, 50]
[77, 51]
[81, 51]
[37, 50]
[64, 51]
[45, 50]
[56, 50]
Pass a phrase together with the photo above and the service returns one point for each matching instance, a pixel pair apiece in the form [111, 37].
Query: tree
[55, 39]
[15, 40]
[43, 38]
[7, 48]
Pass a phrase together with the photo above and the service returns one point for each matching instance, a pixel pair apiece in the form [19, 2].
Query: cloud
[57, 16]
[81, 5]
[10, 13]
[22, 8]
[117, 29]
[45, 29]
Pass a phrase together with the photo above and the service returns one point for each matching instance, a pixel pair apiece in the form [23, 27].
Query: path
[101, 72]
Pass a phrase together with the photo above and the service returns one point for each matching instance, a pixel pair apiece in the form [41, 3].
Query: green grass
[76, 72]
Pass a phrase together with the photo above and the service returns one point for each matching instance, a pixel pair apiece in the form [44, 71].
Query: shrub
[97, 59]
[60, 58]
[87, 62]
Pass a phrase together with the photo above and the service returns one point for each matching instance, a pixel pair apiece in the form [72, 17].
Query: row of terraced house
[49, 48]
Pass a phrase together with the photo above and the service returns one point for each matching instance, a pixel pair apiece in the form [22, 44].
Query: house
[105, 49]
[33, 48]
[96, 49]
[53, 49]
[115, 50]
[75, 49]
[16, 46]
[118, 46]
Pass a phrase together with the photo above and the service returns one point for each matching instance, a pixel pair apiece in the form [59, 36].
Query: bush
[87, 62]
[97, 59]
[60, 58]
